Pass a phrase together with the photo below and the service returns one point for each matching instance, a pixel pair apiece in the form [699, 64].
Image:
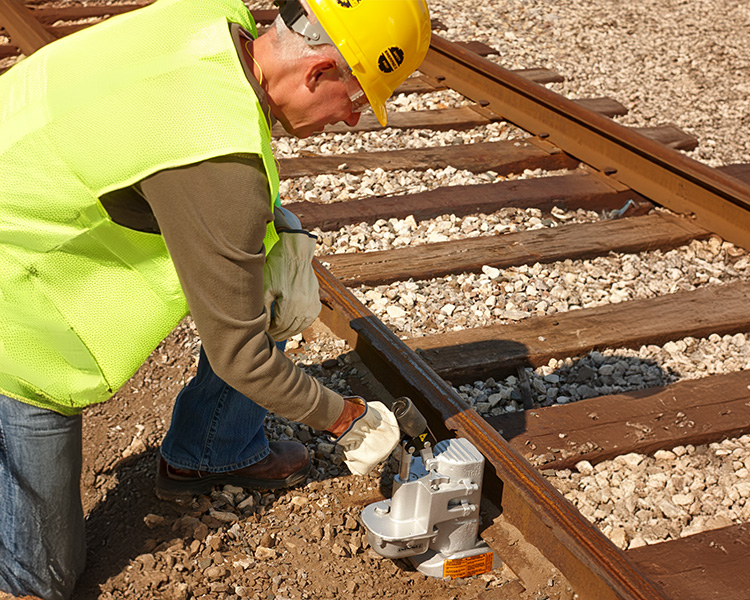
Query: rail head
[717, 201]
[24, 30]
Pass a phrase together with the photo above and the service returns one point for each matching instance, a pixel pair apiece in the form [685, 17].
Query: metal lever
[417, 437]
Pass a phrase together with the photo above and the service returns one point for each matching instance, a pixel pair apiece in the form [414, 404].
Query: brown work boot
[288, 464]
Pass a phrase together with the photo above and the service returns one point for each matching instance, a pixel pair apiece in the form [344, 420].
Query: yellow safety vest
[84, 301]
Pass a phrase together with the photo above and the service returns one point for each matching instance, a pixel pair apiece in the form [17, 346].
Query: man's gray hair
[290, 46]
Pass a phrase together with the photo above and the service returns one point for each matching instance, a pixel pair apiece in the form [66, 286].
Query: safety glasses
[354, 90]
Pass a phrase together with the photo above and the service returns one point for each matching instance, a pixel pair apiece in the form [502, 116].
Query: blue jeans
[214, 427]
[42, 543]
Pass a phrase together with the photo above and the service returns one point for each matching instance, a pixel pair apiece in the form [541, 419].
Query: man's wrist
[351, 411]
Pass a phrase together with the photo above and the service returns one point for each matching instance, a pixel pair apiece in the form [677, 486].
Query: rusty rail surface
[718, 202]
[26, 32]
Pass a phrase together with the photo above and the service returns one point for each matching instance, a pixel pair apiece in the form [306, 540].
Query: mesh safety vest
[84, 301]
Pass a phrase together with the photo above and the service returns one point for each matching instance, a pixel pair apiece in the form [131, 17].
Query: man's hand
[290, 287]
[369, 438]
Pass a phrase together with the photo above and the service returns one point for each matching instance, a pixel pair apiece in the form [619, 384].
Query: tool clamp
[432, 517]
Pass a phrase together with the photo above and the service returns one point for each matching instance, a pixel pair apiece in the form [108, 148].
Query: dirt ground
[297, 544]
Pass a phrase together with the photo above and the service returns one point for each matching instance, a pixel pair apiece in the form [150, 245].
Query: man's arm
[213, 217]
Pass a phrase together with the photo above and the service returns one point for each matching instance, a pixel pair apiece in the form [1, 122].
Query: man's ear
[317, 71]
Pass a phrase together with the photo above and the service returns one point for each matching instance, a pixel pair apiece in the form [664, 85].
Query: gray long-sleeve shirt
[213, 217]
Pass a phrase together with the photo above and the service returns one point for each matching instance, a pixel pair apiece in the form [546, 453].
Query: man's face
[322, 100]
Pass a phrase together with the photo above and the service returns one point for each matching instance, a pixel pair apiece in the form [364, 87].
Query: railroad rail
[612, 167]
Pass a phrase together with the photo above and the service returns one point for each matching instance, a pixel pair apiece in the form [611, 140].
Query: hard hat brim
[381, 114]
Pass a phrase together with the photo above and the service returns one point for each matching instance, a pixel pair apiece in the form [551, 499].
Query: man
[138, 182]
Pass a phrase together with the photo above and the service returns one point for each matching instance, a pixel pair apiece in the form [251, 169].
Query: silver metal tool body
[433, 515]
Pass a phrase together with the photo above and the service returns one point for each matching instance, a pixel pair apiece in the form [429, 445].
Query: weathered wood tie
[695, 412]
[497, 350]
[575, 241]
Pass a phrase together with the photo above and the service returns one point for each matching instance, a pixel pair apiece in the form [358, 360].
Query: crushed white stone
[637, 500]
[505, 295]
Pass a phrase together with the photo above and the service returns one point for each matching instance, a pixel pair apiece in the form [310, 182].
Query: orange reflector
[468, 566]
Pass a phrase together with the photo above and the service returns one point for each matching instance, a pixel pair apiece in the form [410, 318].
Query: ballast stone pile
[400, 233]
[501, 296]
[667, 62]
[394, 139]
[613, 372]
[637, 500]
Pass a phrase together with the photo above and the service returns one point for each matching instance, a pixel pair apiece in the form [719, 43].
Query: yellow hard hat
[382, 41]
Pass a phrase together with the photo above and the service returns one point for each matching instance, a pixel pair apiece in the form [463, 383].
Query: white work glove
[370, 438]
[290, 287]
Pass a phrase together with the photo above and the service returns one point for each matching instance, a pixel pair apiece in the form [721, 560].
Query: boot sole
[182, 491]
